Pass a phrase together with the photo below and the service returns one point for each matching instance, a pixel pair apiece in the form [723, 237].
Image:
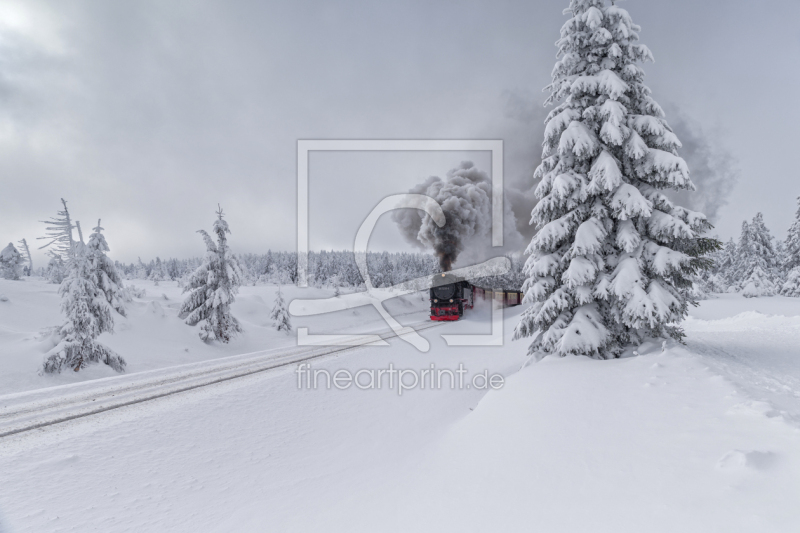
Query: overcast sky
[148, 113]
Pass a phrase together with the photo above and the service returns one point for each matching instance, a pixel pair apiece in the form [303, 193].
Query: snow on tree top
[9, 253]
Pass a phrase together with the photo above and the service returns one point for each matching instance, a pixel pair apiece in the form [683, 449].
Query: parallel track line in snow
[22, 416]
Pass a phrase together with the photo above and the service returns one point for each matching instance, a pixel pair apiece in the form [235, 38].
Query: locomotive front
[449, 297]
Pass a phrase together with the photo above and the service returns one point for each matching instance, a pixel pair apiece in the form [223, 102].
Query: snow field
[653, 443]
[152, 336]
[257, 454]
[697, 438]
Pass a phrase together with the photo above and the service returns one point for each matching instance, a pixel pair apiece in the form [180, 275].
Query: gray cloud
[713, 169]
[148, 113]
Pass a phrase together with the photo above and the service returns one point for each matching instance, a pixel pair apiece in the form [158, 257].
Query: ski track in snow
[758, 351]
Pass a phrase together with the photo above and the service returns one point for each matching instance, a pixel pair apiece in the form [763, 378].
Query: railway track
[41, 408]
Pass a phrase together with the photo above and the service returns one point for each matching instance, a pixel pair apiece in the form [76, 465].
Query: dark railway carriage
[450, 296]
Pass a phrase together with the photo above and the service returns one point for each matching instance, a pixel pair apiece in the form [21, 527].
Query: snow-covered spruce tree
[757, 283]
[26, 252]
[213, 286]
[791, 286]
[59, 234]
[756, 252]
[793, 242]
[280, 316]
[613, 259]
[761, 244]
[158, 272]
[106, 278]
[56, 270]
[88, 314]
[10, 263]
[141, 270]
[726, 265]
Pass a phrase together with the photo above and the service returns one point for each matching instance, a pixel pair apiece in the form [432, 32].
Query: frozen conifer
[756, 251]
[141, 270]
[613, 259]
[108, 281]
[56, 270]
[758, 283]
[726, 261]
[280, 316]
[59, 234]
[212, 288]
[10, 262]
[793, 241]
[158, 272]
[791, 286]
[25, 251]
[88, 314]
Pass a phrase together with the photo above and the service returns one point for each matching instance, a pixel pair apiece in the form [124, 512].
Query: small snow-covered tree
[88, 314]
[26, 251]
[791, 286]
[158, 272]
[756, 251]
[716, 283]
[106, 277]
[56, 270]
[613, 259]
[727, 263]
[758, 283]
[10, 263]
[280, 316]
[793, 242]
[212, 288]
[761, 243]
[141, 269]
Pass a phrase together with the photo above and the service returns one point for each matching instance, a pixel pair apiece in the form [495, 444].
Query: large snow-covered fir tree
[213, 287]
[612, 261]
[10, 262]
[107, 280]
[280, 316]
[88, 314]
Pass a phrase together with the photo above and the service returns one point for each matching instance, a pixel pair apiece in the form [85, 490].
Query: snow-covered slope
[656, 443]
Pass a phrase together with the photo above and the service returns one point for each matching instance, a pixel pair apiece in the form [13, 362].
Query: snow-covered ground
[755, 343]
[152, 336]
[703, 437]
